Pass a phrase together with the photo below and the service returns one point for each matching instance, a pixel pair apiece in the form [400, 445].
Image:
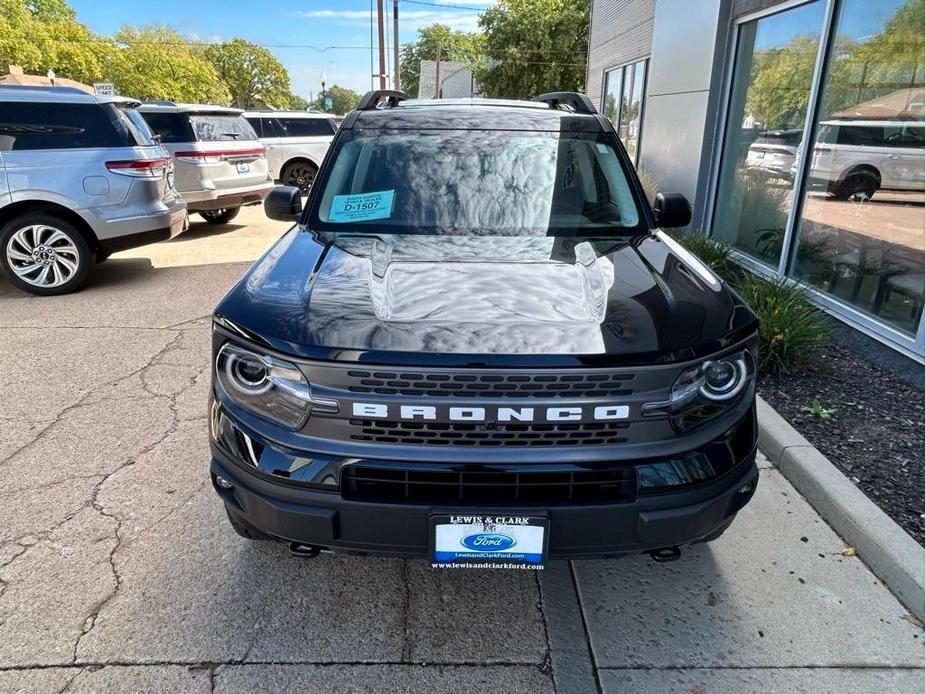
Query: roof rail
[579, 103]
[370, 100]
[45, 88]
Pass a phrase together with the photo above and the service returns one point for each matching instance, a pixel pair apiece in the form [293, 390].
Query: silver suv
[81, 176]
[296, 143]
[220, 163]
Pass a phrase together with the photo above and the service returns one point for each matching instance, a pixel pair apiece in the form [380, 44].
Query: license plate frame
[476, 540]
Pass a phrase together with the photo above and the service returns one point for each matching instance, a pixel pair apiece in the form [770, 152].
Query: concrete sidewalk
[118, 571]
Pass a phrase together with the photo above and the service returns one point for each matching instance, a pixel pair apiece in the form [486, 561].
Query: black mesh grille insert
[388, 484]
[482, 384]
[481, 434]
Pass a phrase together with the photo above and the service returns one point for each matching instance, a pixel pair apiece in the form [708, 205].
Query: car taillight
[140, 168]
[216, 156]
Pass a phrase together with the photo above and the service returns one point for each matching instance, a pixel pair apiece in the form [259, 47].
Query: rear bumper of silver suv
[119, 232]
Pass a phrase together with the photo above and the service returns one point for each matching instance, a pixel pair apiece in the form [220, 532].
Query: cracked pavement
[119, 572]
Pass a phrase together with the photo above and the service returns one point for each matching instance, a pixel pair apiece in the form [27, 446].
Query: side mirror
[672, 210]
[284, 204]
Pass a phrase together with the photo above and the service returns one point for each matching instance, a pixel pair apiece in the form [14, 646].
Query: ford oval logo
[488, 542]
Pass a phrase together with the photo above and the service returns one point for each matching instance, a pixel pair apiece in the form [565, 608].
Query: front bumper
[326, 519]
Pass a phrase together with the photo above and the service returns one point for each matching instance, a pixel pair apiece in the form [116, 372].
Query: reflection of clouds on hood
[460, 297]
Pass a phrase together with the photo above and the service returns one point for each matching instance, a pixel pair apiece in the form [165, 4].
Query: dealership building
[719, 99]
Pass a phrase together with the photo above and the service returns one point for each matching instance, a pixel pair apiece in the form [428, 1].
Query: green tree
[454, 45]
[881, 64]
[297, 102]
[43, 34]
[534, 46]
[343, 99]
[253, 75]
[156, 63]
[779, 91]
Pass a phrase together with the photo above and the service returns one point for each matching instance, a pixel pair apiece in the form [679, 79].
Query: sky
[308, 36]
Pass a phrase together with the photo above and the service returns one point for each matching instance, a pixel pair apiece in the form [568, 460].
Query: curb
[889, 551]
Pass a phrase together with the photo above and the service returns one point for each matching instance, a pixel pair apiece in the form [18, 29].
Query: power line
[441, 5]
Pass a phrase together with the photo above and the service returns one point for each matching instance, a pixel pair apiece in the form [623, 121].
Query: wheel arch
[861, 168]
[299, 158]
[22, 207]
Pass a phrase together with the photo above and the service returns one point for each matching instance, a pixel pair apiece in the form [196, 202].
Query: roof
[171, 107]
[17, 77]
[287, 114]
[902, 104]
[875, 122]
[58, 95]
[476, 114]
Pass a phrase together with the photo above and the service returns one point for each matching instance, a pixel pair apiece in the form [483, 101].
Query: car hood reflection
[485, 295]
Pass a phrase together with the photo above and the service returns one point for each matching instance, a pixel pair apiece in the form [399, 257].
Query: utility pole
[396, 69]
[381, 44]
[437, 74]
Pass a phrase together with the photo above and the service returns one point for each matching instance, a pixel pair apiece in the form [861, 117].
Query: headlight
[725, 378]
[706, 390]
[267, 386]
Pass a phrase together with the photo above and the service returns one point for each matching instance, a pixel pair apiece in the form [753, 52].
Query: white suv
[296, 143]
[220, 163]
[854, 158]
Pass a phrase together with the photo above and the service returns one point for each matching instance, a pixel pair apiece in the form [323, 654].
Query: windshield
[216, 128]
[476, 182]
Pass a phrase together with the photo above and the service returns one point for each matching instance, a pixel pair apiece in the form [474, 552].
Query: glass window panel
[613, 84]
[862, 228]
[630, 118]
[774, 64]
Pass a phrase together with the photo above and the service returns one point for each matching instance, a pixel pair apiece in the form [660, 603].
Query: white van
[296, 143]
[855, 158]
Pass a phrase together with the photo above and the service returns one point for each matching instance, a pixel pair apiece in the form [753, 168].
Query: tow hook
[665, 554]
[297, 549]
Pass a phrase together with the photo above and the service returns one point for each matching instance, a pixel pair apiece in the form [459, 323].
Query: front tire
[222, 216]
[857, 185]
[44, 255]
[300, 174]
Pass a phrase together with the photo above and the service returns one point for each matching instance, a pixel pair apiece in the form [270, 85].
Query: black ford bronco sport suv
[477, 346]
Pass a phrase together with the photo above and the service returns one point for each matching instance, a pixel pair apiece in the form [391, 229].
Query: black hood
[485, 300]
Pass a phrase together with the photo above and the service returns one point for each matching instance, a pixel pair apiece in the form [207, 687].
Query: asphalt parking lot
[119, 572]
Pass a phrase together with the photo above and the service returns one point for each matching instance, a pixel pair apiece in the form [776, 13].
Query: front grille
[481, 434]
[388, 484]
[483, 384]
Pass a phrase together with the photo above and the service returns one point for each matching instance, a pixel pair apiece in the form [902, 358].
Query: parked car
[774, 152]
[81, 176]
[296, 143]
[477, 346]
[854, 158]
[220, 163]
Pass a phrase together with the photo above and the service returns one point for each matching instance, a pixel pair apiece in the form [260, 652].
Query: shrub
[714, 253]
[791, 330]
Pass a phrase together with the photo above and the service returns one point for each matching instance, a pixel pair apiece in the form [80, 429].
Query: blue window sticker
[359, 208]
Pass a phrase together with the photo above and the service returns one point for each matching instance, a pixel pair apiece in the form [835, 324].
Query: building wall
[681, 102]
[621, 32]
